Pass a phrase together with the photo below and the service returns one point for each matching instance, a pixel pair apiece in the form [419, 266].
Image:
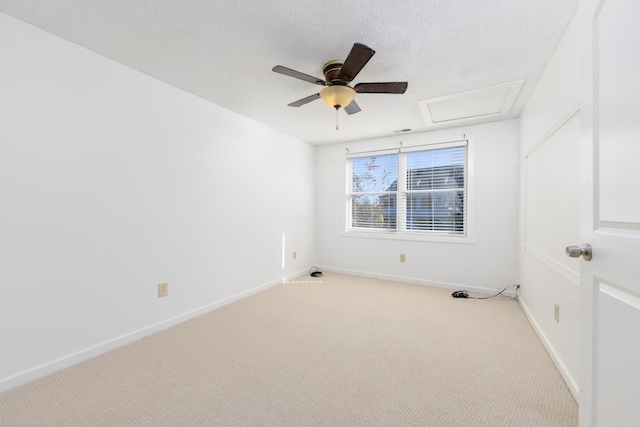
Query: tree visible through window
[421, 191]
[372, 179]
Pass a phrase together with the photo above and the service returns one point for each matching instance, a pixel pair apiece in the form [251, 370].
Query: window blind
[435, 191]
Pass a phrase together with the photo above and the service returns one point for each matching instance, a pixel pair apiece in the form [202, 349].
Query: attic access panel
[494, 100]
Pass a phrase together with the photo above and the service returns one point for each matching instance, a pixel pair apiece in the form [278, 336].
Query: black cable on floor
[465, 294]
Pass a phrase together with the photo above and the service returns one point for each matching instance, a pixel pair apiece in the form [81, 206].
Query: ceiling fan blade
[352, 108]
[306, 100]
[298, 75]
[357, 59]
[389, 87]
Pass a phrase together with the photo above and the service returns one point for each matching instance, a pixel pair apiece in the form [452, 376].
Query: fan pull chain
[337, 128]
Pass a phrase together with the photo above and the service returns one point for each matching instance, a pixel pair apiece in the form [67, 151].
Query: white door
[610, 282]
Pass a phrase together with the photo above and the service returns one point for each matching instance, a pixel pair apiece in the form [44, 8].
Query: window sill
[408, 236]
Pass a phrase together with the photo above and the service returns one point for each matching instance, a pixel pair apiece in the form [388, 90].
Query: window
[414, 190]
[374, 181]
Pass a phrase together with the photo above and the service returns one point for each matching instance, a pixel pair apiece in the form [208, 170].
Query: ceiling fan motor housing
[331, 71]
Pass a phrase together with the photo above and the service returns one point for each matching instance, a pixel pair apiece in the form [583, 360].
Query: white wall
[112, 182]
[550, 206]
[490, 262]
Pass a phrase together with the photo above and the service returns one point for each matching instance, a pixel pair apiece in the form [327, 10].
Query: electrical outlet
[163, 289]
[295, 255]
[403, 258]
[556, 313]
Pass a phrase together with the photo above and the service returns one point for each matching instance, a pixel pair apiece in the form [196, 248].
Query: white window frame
[412, 235]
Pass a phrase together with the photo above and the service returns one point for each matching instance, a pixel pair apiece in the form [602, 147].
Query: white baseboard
[572, 384]
[435, 284]
[72, 359]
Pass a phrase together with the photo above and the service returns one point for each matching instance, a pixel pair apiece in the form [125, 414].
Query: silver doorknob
[577, 251]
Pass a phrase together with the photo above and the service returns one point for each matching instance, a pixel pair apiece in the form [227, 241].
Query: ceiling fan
[337, 93]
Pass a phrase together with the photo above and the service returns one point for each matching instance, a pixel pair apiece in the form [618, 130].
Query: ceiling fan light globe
[338, 96]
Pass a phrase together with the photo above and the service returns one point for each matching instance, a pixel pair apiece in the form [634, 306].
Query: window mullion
[349, 198]
[401, 198]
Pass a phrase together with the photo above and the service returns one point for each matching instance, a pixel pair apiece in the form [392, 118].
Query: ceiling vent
[494, 100]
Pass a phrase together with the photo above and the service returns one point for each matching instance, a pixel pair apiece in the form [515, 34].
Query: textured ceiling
[224, 50]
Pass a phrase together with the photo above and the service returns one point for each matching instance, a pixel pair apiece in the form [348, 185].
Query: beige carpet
[333, 351]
